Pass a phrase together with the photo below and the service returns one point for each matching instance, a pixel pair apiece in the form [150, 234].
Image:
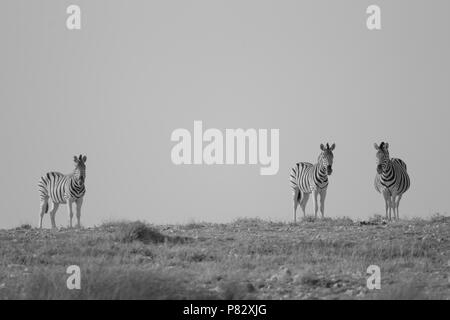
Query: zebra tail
[43, 190]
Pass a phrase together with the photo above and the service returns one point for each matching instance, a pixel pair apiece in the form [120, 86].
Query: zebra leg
[323, 195]
[386, 202]
[44, 209]
[70, 212]
[303, 202]
[391, 207]
[79, 203]
[397, 204]
[316, 204]
[394, 199]
[393, 204]
[53, 213]
[295, 194]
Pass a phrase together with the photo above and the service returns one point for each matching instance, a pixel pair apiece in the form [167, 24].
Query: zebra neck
[388, 173]
[321, 172]
[75, 182]
[76, 173]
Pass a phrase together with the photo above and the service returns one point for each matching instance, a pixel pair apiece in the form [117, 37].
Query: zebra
[60, 188]
[307, 178]
[391, 179]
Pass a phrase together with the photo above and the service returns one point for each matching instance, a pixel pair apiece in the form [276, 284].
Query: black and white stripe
[392, 179]
[63, 189]
[307, 178]
[60, 187]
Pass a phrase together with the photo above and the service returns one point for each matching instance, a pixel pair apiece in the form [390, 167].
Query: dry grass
[245, 259]
[106, 283]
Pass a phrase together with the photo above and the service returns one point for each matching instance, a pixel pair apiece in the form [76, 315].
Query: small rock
[285, 274]
[250, 287]
[273, 278]
[349, 292]
[285, 270]
[260, 283]
[216, 289]
[297, 279]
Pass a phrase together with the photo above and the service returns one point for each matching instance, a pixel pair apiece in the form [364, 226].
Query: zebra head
[80, 168]
[326, 157]
[382, 156]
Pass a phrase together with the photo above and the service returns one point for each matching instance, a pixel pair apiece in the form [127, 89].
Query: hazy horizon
[137, 70]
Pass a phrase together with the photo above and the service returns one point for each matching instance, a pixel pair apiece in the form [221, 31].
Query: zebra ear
[84, 158]
[376, 146]
[333, 146]
[75, 158]
[322, 147]
[386, 146]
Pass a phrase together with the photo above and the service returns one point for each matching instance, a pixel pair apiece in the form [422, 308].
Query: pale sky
[137, 70]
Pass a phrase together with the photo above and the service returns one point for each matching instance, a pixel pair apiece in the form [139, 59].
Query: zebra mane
[320, 157]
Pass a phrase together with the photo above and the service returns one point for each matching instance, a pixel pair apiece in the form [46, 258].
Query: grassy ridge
[246, 259]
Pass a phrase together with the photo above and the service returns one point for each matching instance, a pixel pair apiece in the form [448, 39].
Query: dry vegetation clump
[24, 226]
[128, 232]
[194, 225]
[437, 217]
[138, 231]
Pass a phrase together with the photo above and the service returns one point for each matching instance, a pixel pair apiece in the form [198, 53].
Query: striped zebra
[391, 180]
[63, 188]
[307, 178]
